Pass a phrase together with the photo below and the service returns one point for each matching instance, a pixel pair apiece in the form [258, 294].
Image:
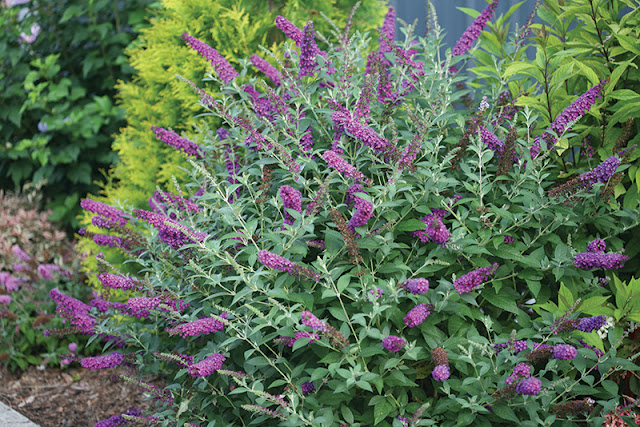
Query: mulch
[70, 397]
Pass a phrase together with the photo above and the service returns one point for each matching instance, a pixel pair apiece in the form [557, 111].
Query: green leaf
[381, 411]
[411, 225]
[629, 43]
[505, 299]
[565, 297]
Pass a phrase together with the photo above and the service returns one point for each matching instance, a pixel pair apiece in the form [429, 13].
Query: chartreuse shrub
[356, 249]
[59, 63]
[35, 257]
[154, 97]
[576, 44]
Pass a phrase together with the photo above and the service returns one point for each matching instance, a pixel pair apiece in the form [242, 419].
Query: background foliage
[57, 92]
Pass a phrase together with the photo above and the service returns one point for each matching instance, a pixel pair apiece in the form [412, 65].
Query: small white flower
[603, 332]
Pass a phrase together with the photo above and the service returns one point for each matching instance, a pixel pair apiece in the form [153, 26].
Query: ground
[73, 397]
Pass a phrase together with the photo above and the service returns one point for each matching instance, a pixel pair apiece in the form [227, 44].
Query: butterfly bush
[410, 267]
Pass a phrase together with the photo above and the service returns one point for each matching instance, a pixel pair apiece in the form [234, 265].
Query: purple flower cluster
[289, 29]
[104, 210]
[409, 154]
[176, 141]
[364, 210]
[350, 198]
[418, 314]
[388, 31]
[436, 231]
[202, 326]
[308, 51]
[529, 386]
[493, 142]
[291, 199]
[20, 253]
[110, 241]
[73, 310]
[522, 370]
[308, 387]
[361, 132]
[441, 373]
[509, 239]
[415, 286]
[222, 67]
[472, 33]
[117, 420]
[140, 306]
[176, 201]
[269, 70]
[46, 270]
[289, 341]
[310, 320]
[5, 299]
[115, 281]
[596, 245]
[338, 163]
[261, 105]
[573, 112]
[592, 260]
[564, 352]
[393, 343]
[577, 109]
[207, 366]
[475, 278]
[515, 346]
[601, 173]
[102, 362]
[276, 262]
[9, 282]
[590, 324]
[170, 232]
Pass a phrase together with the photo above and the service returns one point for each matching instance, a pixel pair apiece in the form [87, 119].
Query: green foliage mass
[57, 91]
[155, 97]
[575, 44]
[274, 297]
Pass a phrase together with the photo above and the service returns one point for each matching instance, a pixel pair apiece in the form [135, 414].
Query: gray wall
[452, 20]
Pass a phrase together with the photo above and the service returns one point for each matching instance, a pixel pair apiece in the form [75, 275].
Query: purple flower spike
[102, 362]
[418, 314]
[475, 278]
[590, 324]
[364, 210]
[207, 366]
[415, 286]
[73, 310]
[388, 31]
[308, 387]
[308, 51]
[493, 142]
[596, 245]
[176, 141]
[361, 132]
[115, 281]
[310, 320]
[269, 70]
[529, 386]
[441, 373]
[140, 306]
[274, 261]
[289, 30]
[393, 343]
[522, 370]
[593, 260]
[203, 326]
[601, 173]
[564, 352]
[338, 163]
[472, 33]
[291, 199]
[104, 210]
[225, 71]
[21, 254]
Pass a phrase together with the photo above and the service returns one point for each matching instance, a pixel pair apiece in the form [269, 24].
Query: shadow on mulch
[72, 397]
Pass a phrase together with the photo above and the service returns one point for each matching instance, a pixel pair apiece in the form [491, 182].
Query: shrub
[59, 62]
[35, 257]
[356, 251]
[578, 44]
[155, 98]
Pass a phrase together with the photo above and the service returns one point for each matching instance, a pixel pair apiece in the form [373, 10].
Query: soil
[73, 397]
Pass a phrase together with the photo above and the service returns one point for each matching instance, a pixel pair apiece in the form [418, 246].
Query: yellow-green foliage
[155, 97]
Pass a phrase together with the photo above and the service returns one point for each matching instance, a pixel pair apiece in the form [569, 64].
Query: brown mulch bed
[70, 397]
